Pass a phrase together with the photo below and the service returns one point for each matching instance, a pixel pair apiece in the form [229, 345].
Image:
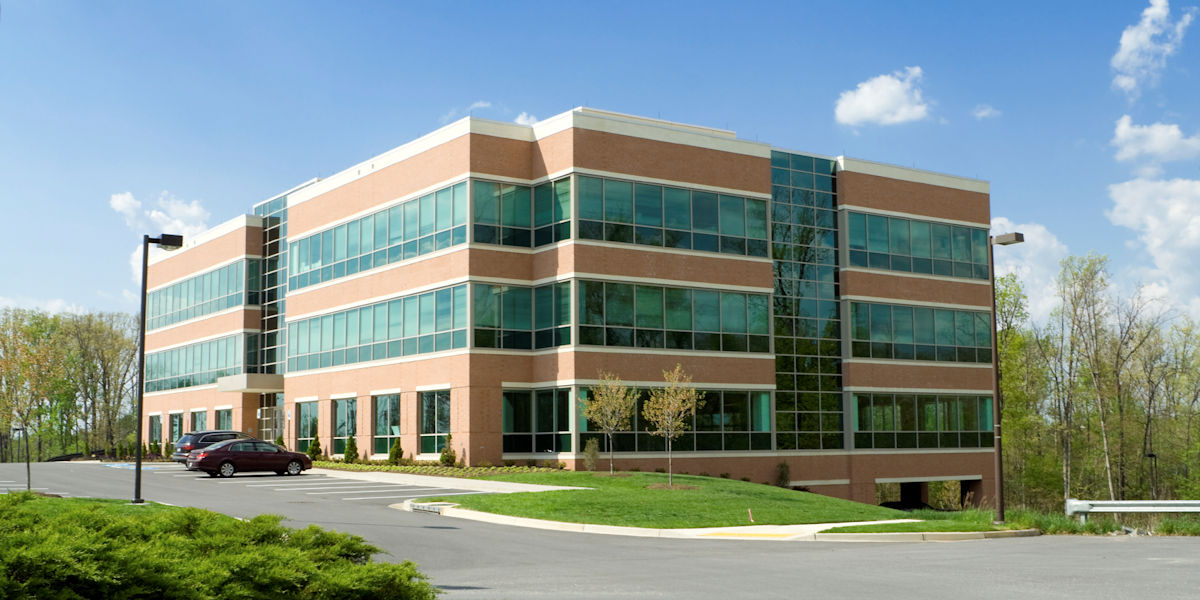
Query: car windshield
[187, 439]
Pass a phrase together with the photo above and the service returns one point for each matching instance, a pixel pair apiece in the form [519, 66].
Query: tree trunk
[610, 454]
[670, 470]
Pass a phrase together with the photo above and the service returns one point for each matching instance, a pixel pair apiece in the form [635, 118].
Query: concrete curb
[929, 536]
[778, 533]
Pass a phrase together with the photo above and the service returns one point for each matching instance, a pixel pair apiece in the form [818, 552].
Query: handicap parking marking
[145, 467]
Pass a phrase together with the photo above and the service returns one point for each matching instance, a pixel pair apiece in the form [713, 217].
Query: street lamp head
[1007, 239]
[169, 241]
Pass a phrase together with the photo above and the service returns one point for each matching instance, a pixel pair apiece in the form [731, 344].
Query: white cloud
[53, 305]
[1165, 215]
[1035, 263]
[525, 119]
[479, 104]
[170, 215]
[886, 99]
[1144, 47]
[1159, 142]
[985, 111]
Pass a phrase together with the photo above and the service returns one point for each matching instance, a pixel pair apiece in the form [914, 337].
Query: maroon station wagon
[233, 456]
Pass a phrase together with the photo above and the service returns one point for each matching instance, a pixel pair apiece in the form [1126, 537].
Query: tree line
[1102, 400]
[66, 383]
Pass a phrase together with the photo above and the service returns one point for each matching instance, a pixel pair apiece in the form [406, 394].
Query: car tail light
[201, 455]
[186, 447]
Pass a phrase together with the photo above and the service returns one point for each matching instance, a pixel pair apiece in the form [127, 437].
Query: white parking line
[307, 483]
[369, 489]
[411, 496]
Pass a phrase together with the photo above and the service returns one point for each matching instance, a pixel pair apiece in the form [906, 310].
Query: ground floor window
[199, 420]
[155, 435]
[435, 420]
[537, 420]
[727, 420]
[306, 425]
[387, 422]
[225, 418]
[922, 421]
[345, 412]
[176, 428]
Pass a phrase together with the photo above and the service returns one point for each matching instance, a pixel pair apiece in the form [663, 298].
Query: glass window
[733, 216]
[648, 201]
[677, 206]
[704, 212]
[435, 420]
[649, 307]
[618, 201]
[387, 422]
[591, 198]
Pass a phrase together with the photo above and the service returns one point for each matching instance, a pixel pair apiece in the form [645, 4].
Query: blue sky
[123, 118]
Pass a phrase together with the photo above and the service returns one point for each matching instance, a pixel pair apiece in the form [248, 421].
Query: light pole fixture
[165, 241]
[1004, 239]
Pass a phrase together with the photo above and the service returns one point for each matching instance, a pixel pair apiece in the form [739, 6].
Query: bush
[448, 457]
[279, 441]
[783, 474]
[351, 453]
[314, 449]
[395, 453]
[77, 548]
[591, 454]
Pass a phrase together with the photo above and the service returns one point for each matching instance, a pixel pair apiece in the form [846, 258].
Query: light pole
[1005, 239]
[165, 241]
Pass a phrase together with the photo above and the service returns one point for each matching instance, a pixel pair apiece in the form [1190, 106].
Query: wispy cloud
[887, 99]
[1035, 262]
[454, 112]
[1145, 46]
[985, 111]
[169, 215]
[53, 305]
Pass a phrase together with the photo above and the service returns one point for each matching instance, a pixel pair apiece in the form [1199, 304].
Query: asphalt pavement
[471, 559]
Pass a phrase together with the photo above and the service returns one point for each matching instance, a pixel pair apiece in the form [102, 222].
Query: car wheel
[294, 468]
[227, 469]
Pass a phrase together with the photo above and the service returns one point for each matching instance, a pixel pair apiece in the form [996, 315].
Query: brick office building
[474, 282]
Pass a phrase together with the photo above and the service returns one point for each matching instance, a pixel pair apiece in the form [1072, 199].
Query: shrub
[351, 453]
[395, 453]
[746, 479]
[314, 449]
[72, 548]
[448, 457]
[169, 449]
[724, 475]
[591, 454]
[279, 441]
[783, 474]
[660, 470]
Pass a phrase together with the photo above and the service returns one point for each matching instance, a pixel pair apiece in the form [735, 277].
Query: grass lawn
[628, 500]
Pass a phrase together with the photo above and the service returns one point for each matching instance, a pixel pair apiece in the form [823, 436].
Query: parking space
[309, 485]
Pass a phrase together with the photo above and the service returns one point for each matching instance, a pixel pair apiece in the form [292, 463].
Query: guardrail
[1085, 507]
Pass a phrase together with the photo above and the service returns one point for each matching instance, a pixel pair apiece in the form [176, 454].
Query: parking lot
[472, 559]
[314, 486]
